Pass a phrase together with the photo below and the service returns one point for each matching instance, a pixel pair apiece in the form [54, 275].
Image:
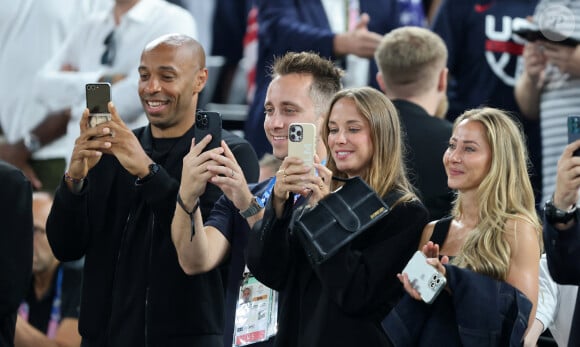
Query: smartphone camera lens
[295, 133]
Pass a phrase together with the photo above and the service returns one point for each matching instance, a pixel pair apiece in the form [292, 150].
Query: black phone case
[534, 35]
[574, 131]
[207, 122]
[98, 96]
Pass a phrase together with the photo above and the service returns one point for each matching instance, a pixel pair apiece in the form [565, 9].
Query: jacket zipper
[123, 236]
[149, 272]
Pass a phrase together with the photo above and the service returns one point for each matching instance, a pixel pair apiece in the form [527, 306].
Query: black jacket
[15, 247]
[342, 301]
[134, 291]
[426, 139]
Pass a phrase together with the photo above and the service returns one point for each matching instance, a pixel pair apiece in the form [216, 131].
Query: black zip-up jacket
[15, 246]
[134, 291]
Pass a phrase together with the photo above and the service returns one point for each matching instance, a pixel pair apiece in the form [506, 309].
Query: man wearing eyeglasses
[104, 47]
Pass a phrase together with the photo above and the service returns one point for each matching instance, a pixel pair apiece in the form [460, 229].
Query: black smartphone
[208, 122]
[531, 32]
[574, 131]
[98, 96]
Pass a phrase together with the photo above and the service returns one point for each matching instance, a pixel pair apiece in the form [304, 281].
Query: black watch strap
[153, 170]
[555, 215]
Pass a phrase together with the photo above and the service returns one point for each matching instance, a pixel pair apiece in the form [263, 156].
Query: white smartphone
[425, 278]
[98, 96]
[302, 142]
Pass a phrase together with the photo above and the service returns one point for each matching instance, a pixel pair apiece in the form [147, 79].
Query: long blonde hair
[387, 168]
[505, 193]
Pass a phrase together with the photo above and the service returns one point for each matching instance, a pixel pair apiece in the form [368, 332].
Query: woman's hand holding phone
[423, 278]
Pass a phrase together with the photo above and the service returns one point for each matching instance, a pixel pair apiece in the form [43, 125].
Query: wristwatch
[153, 170]
[31, 142]
[255, 207]
[556, 215]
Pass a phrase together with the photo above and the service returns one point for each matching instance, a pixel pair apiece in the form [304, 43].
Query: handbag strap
[392, 197]
[302, 208]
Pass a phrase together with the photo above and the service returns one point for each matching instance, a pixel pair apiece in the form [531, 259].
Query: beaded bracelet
[68, 178]
[77, 183]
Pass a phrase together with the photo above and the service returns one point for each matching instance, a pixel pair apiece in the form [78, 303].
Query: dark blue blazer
[563, 253]
[481, 312]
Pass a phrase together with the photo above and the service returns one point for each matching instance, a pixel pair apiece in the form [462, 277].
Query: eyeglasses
[108, 56]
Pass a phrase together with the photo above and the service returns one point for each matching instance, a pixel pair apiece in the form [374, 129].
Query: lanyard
[268, 192]
[24, 308]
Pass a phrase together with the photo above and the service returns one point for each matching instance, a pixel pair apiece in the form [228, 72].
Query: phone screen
[98, 96]
[207, 122]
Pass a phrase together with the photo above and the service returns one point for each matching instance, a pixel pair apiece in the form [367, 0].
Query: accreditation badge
[256, 312]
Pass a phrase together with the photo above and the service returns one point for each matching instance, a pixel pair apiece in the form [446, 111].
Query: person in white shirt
[555, 309]
[106, 47]
[31, 32]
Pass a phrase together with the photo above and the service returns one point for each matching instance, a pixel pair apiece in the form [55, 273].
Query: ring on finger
[233, 173]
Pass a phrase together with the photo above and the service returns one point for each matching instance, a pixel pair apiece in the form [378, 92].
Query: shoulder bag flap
[339, 218]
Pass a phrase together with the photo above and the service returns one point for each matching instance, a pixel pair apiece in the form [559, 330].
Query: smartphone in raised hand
[574, 131]
[98, 96]
[531, 32]
[208, 122]
[302, 142]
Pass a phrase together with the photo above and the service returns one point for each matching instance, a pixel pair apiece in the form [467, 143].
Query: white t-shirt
[555, 305]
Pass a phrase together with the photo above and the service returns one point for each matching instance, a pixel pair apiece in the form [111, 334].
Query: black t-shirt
[226, 218]
[39, 310]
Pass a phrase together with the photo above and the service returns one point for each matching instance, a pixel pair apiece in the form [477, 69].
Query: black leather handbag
[338, 218]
